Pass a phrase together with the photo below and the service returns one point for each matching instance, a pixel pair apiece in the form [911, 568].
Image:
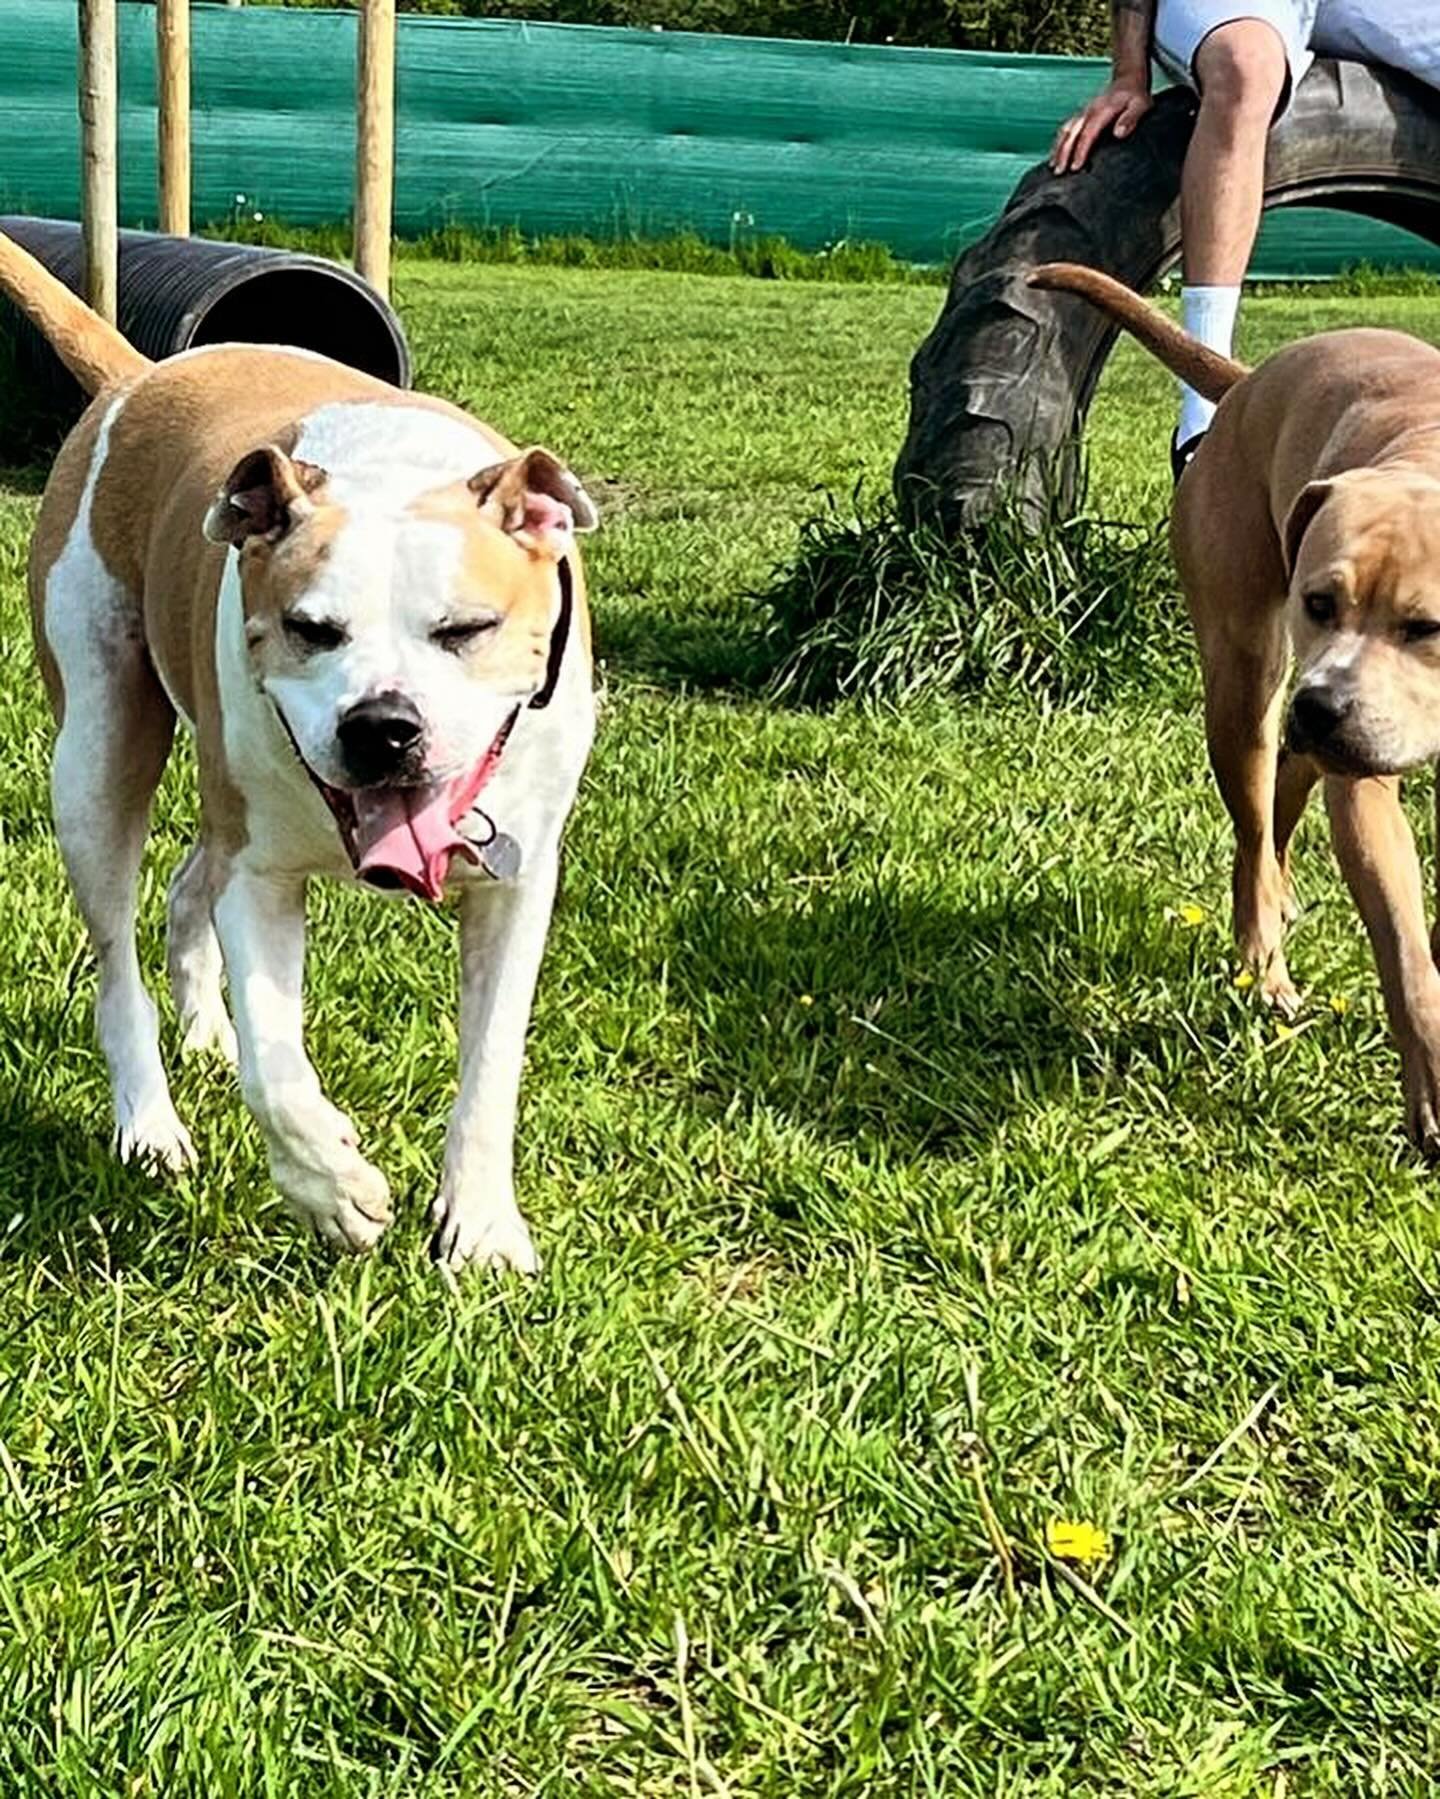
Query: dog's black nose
[378, 736]
[1315, 712]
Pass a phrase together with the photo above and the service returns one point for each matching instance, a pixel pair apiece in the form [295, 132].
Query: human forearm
[1130, 28]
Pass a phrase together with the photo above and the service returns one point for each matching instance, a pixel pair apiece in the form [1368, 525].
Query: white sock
[1209, 314]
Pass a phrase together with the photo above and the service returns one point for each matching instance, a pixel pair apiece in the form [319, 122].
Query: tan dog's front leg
[1243, 696]
[1377, 856]
[1295, 780]
[502, 938]
[260, 918]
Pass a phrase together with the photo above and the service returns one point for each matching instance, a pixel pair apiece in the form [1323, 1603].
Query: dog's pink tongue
[405, 837]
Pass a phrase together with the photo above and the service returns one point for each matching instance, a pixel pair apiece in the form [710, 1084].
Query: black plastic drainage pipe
[177, 293]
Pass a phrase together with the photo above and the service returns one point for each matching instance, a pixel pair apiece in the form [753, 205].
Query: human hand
[1119, 108]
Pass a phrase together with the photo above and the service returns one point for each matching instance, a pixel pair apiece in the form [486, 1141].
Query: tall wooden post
[172, 77]
[375, 142]
[98, 143]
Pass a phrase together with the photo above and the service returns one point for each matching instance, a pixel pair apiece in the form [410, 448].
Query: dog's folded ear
[536, 500]
[268, 493]
[1300, 517]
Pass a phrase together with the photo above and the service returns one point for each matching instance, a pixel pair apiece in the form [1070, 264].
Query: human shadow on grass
[913, 1019]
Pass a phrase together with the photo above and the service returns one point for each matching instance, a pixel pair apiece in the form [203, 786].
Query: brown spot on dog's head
[534, 499]
[517, 520]
[274, 510]
[1363, 554]
[267, 494]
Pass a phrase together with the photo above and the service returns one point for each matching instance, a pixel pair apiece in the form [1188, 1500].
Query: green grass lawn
[910, 1174]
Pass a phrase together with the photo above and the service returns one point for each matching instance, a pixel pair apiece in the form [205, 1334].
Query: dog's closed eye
[1416, 630]
[461, 634]
[313, 633]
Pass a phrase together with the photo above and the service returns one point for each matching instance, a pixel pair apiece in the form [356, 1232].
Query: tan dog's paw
[1278, 990]
[481, 1236]
[1421, 1068]
[1271, 979]
[155, 1137]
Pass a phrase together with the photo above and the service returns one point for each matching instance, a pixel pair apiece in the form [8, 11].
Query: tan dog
[370, 611]
[1309, 521]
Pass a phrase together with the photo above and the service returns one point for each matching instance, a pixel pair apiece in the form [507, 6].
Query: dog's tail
[1206, 371]
[95, 353]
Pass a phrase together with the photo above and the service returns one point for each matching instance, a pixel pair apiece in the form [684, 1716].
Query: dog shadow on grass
[915, 1020]
[704, 653]
[63, 1195]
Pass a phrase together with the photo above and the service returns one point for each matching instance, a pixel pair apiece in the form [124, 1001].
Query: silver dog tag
[499, 852]
[500, 858]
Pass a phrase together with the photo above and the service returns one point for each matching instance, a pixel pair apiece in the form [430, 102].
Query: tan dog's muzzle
[1316, 722]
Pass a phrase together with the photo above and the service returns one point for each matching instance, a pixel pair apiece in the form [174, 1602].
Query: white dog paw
[471, 1236]
[154, 1136]
[346, 1202]
[209, 1031]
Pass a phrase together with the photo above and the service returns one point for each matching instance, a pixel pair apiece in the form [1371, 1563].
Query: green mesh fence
[555, 128]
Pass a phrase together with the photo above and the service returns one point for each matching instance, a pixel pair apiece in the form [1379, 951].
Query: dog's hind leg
[117, 725]
[1244, 693]
[192, 959]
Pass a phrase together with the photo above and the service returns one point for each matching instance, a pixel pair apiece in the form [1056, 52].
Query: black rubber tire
[1003, 381]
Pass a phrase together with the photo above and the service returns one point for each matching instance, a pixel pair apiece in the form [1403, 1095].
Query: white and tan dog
[370, 610]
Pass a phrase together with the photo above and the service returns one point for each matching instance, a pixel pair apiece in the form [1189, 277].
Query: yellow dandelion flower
[807, 999]
[1069, 1540]
[1339, 1005]
[1190, 914]
[1284, 1032]
[1245, 979]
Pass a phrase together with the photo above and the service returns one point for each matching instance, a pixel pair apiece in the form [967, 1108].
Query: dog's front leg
[1377, 856]
[260, 918]
[502, 938]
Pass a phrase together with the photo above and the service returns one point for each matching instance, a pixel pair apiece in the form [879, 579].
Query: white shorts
[1400, 34]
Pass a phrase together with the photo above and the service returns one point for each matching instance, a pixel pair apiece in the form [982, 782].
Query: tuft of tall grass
[1067, 606]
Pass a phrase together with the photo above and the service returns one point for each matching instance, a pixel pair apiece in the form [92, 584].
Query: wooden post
[172, 80]
[98, 140]
[375, 142]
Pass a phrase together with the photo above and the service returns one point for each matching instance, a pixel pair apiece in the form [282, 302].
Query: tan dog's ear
[266, 496]
[1298, 520]
[536, 500]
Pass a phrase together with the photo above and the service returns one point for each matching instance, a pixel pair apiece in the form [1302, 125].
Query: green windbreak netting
[555, 128]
